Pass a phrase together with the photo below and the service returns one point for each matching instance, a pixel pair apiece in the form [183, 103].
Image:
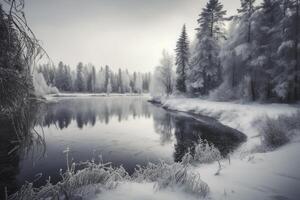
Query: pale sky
[119, 33]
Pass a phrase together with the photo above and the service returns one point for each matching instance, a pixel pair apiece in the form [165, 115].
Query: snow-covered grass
[205, 153]
[173, 175]
[97, 178]
[84, 183]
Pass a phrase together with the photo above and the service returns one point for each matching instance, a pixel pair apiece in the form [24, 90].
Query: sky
[120, 33]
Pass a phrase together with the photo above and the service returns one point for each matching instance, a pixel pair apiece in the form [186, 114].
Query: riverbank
[84, 95]
[250, 174]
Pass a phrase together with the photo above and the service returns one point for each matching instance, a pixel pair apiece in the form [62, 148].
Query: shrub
[277, 132]
[172, 175]
[206, 153]
[94, 177]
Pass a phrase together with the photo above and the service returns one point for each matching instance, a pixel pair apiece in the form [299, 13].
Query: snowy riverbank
[88, 95]
[242, 117]
[270, 175]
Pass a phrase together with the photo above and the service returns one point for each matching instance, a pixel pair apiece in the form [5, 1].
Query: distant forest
[87, 79]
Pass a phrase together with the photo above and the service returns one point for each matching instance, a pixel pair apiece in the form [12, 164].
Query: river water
[125, 131]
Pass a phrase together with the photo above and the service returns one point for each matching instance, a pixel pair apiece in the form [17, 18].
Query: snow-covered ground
[143, 191]
[242, 117]
[271, 175]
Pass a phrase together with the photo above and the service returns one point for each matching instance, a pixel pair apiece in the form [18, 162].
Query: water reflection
[9, 162]
[18, 141]
[87, 111]
[124, 130]
[188, 130]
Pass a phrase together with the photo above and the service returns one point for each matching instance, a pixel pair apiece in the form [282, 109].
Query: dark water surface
[123, 130]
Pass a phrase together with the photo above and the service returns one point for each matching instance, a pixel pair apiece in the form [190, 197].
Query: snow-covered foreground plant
[81, 183]
[173, 175]
[95, 177]
[277, 132]
[206, 153]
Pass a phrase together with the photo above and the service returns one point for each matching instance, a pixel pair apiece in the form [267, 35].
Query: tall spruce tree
[205, 68]
[80, 79]
[182, 59]
[247, 9]
[288, 80]
[107, 78]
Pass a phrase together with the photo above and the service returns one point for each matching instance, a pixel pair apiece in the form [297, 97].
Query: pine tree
[120, 82]
[91, 78]
[247, 9]
[59, 77]
[106, 73]
[288, 80]
[266, 37]
[182, 59]
[205, 70]
[68, 79]
[80, 80]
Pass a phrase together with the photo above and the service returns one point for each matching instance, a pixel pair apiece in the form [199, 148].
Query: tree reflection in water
[87, 111]
[188, 130]
[178, 133]
[18, 140]
[184, 129]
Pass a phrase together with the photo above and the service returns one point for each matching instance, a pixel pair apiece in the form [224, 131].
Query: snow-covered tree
[41, 87]
[204, 73]
[163, 81]
[107, 74]
[80, 78]
[139, 83]
[182, 59]
[91, 78]
[288, 80]
[247, 9]
[100, 81]
[125, 81]
[108, 87]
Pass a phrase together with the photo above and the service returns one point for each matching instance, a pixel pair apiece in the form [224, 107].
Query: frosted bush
[172, 175]
[95, 177]
[100, 174]
[75, 184]
[277, 132]
[40, 86]
[206, 153]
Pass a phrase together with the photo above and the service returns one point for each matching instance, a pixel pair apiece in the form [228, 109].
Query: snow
[142, 191]
[271, 175]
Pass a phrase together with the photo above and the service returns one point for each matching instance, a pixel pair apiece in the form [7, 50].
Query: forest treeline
[256, 59]
[87, 79]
